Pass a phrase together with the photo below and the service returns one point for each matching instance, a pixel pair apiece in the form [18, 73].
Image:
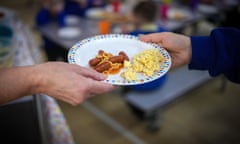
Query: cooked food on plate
[108, 63]
[146, 62]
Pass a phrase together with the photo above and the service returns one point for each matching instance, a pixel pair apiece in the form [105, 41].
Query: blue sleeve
[42, 17]
[218, 53]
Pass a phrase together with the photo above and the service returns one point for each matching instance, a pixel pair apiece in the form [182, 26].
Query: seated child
[144, 17]
[57, 10]
[52, 10]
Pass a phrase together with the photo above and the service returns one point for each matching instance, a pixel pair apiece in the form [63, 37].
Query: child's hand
[179, 46]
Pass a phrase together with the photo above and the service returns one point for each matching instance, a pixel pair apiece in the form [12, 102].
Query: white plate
[72, 20]
[96, 13]
[88, 48]
[69, 32]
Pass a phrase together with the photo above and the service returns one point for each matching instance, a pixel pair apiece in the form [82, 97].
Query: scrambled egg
[129, 74]
[146, 62]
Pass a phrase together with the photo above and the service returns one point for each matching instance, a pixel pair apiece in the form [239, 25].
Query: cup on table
[116, 6]
[6, 46]
[104, 27]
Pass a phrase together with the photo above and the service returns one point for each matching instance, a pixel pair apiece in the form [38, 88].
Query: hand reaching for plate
[179, 46]
[67, 82]
[70, 83]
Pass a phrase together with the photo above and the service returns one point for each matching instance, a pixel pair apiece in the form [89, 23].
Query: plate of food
[123, 58]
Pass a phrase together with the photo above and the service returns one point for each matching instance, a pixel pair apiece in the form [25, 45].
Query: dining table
[86, 28]
[89, 27]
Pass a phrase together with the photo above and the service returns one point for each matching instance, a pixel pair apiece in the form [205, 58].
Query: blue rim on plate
[164, 66]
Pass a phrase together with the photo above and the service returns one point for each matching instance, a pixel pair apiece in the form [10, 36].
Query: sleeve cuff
[202, 53]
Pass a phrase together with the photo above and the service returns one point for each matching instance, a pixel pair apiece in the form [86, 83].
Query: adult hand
[70, 83]
[179, 46]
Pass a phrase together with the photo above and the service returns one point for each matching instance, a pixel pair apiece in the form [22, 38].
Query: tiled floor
[203, 116]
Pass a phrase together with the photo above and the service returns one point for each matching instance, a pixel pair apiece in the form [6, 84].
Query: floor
[204, 115]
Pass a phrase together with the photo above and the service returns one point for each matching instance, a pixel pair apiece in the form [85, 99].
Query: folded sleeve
[218, 53]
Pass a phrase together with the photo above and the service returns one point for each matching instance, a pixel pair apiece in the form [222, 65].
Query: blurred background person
[144, 17]
[51, 11]
[57, 11]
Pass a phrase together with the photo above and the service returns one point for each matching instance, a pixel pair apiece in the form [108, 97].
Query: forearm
[219, 53]
[17, 82]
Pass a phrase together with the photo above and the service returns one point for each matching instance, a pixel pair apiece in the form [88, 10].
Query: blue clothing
[73, 8]
[44, 17]
[218, 53]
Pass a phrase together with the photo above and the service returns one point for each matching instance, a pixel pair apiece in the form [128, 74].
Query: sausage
[124, 54]
[103, 67]
[95, 61]
[117, 59]
[101, 52]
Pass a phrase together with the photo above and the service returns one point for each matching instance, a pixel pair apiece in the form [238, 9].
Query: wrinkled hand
[70, 83]
[179, 46]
